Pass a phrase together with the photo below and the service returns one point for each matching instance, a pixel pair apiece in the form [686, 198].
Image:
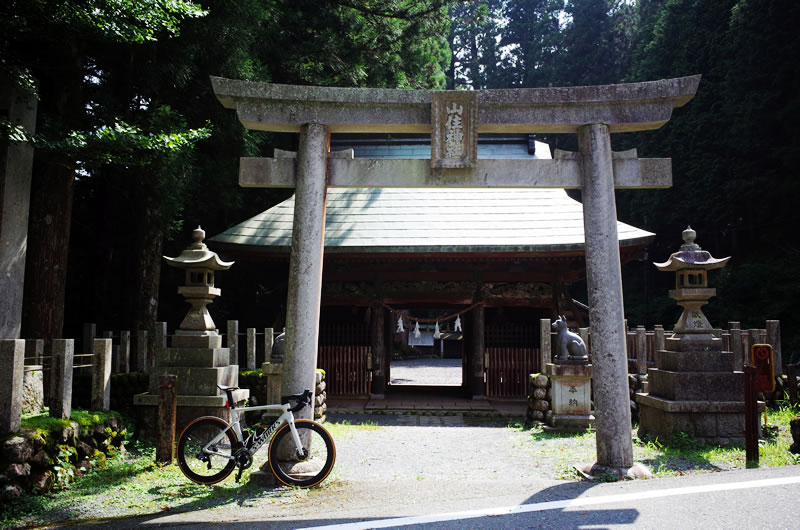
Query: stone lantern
[694, 388]
[198, 328]
[691, 265]
[195, 354]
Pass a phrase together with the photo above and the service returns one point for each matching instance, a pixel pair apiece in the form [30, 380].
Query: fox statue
[569, 345]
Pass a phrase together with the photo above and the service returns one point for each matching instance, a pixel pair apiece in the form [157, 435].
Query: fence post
[641, 350]
[774, 338]
[167, 409]
[12, 373]
[232, 339]
[160, 338]
[34, 350]
[269, 338]
[114, 350]
[737, 346]
[101, 374]
[61, 362]
[124, 358]
[89, 334]
[142, 361]
[251, 348]
[584, 334]
[658, 331]
[545, 346]
[755, 338]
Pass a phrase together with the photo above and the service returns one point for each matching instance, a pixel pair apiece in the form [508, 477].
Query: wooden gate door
[343, 352]
[513, 355]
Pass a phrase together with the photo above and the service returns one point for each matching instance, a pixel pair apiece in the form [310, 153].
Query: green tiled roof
[410, 220]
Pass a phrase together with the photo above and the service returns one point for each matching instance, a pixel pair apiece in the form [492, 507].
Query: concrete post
[124, 359]
[16, 164]
[774, 338]
[660, 340]
[269, 340]
[114, 350]
[101, 374]
[377, 327]
[63, 357]
[641, 350]
[142, 357]
[160, 337]
[251, 348]
[305, 265]
[737, 347]
[545, 344]
[34, 350]
[89, 333]
[606, 315]
[232, 340]
[12, 372]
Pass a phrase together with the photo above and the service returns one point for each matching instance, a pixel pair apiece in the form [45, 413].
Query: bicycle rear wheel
[309, 467]
[199, 466]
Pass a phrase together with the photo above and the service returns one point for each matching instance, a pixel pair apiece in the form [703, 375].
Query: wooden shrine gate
[343, 352]
[512, 355]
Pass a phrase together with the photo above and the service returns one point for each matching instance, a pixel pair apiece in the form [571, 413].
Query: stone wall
[37, 460]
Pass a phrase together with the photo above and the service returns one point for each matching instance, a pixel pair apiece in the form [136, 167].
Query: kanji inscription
[454, 138]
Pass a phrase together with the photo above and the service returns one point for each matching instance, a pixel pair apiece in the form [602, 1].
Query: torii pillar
[454, 119]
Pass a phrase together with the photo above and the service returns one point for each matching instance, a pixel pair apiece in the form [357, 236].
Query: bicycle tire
[312, 468]
[193, 438]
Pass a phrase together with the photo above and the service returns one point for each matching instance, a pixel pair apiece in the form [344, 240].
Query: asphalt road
[751, 499]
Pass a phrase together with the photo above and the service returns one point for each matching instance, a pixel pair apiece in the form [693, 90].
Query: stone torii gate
[454, 119]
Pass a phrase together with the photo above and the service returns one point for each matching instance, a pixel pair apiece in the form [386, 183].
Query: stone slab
[570, 422]
[695, 361]
[197, 381]
[669, 405]
[572, 395]
[712, 427]
[192, 340]
[568, 370]
[191, 357]
[148, 399]
[696, 386]
[693, 344]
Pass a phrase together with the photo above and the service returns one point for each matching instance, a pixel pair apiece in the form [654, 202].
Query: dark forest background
[134, 151]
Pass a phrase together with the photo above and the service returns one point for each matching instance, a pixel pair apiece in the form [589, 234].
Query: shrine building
[474, 268]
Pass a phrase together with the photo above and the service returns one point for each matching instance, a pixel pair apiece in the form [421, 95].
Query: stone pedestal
[572, 396]
[694, 390]
[200, 363]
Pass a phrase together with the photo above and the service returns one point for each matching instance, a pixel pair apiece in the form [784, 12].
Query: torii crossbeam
[454, 119]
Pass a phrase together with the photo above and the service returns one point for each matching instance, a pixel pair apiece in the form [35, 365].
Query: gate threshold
[436, 401]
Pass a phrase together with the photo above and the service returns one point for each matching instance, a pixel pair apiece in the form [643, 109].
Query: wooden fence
[343, 353]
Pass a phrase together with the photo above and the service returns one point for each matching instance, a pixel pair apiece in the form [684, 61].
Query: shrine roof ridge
[623, 107]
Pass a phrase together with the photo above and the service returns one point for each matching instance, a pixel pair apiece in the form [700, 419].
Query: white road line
[568, 503]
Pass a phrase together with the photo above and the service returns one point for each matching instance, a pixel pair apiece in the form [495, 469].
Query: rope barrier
[398, 312]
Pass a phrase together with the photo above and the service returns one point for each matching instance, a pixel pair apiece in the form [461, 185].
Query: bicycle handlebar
[302, 400]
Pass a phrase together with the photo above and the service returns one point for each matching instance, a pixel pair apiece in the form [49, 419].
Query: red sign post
[762, 360]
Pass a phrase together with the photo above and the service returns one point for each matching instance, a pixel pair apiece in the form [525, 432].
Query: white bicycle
[301, 452]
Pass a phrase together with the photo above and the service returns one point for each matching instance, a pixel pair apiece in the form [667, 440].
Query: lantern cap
[197, 255]
[691, 256]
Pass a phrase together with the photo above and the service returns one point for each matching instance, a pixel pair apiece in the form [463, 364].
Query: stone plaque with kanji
[454, 135]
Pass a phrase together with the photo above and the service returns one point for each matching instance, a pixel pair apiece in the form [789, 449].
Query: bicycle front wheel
[310, 465]
[216, 462]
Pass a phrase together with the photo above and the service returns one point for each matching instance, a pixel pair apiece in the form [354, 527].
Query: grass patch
[133, 485]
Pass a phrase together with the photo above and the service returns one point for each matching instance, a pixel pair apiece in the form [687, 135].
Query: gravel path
[437, 372]
[389, 466]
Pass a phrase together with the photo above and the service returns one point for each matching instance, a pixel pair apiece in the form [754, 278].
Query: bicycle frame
[286, 416]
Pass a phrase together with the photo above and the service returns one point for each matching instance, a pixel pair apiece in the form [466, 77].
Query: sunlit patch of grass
[133, 484]
[344, 429]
